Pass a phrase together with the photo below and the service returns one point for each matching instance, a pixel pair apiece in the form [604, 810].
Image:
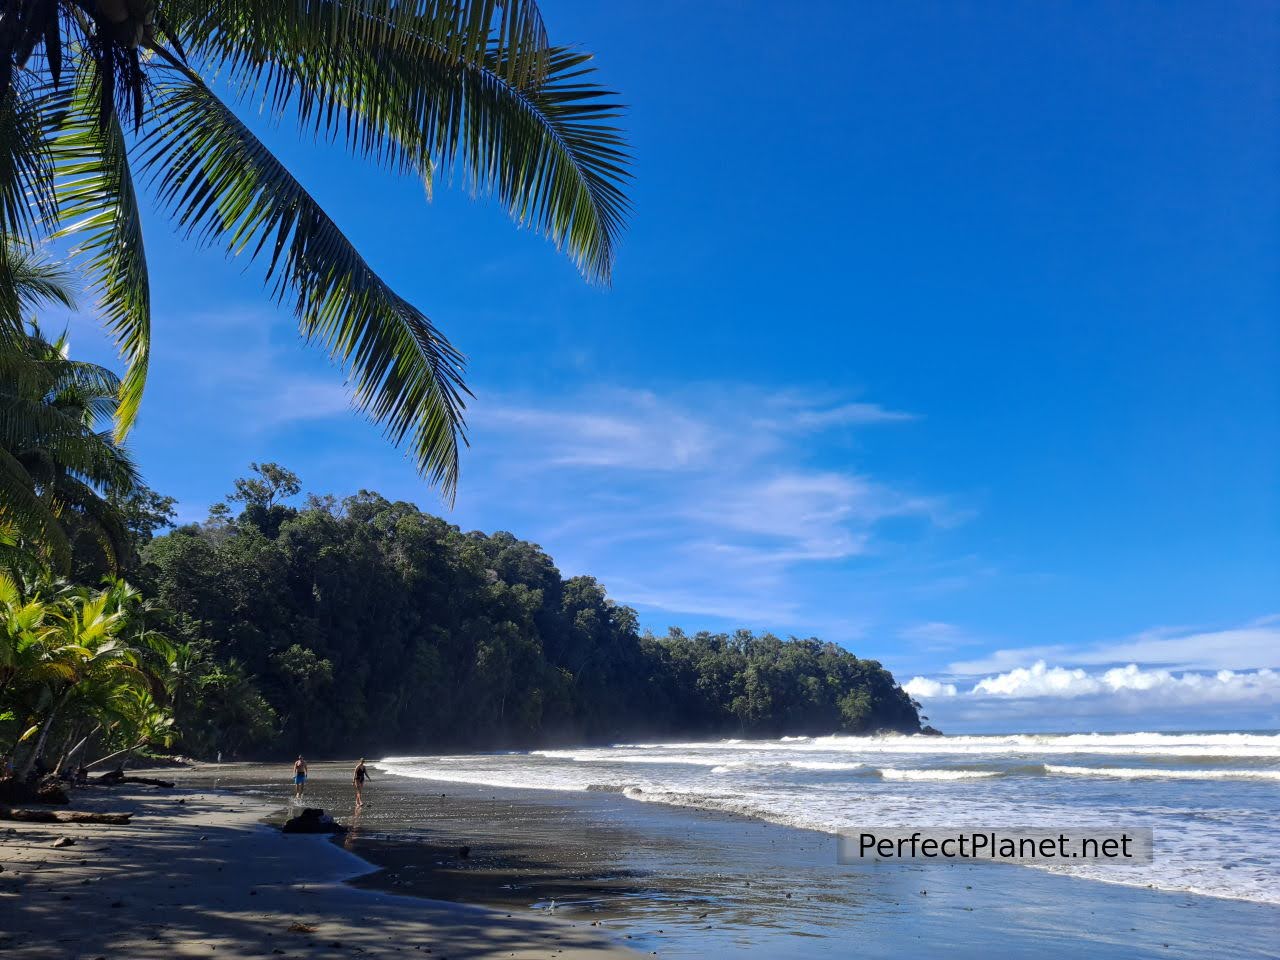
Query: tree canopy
[364, 625]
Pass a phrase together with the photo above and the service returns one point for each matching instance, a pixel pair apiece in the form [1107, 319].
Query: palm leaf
[28, 516]
[220, 182]
[543, 143]
[96, 192]
[28, 280]
[250, 34]
[96, 518]
[29, 111]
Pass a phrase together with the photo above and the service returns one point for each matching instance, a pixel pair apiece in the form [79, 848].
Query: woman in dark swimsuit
[358, 778]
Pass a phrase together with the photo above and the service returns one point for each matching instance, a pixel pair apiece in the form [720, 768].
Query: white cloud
[1255, 644]
[645, 434]
[1157, 685]
[850, 414]
[711, 483]
[1246, 647]
[924, 688]
[1087, 689]
[1036, 681]
[998, 661]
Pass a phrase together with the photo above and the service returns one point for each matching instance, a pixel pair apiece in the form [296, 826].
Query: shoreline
[570, 874]
[197, 873]
[696, 883]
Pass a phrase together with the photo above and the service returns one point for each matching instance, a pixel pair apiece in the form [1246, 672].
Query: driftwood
[62, 816]
[167, 784]
[112, 777]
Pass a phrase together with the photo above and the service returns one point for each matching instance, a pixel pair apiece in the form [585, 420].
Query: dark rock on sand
[313, 820]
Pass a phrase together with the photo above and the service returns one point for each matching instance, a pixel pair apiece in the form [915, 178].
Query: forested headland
[363, 625]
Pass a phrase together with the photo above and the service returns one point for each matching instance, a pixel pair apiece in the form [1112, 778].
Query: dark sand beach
[689, 883]
[197, 873]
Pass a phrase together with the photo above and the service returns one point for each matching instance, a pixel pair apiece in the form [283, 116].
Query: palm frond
[544, 144]
[28, 516]
[28, 280]
[29, 112]
[222, 183]
[96, 193]
[250, 34]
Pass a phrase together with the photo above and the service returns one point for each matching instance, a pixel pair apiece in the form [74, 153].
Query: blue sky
[944, 331]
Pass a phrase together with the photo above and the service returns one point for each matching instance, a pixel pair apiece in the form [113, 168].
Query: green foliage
[57, 469]
[365, 625]
[80, 665]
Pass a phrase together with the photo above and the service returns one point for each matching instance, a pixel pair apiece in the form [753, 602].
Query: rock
[64, 842]
[930, 731]
[464, 853]
[313, 820]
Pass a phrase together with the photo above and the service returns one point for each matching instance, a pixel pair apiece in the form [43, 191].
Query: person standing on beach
[299, 777]
[358, 778]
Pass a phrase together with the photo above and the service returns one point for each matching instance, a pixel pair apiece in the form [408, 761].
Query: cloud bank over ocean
[1227, 678]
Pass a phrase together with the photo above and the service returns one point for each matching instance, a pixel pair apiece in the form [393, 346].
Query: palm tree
[23, 630]
[92, 659]
[57, 468]
[92, 89]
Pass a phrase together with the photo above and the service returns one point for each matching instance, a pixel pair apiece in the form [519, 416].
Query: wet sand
[688, 883]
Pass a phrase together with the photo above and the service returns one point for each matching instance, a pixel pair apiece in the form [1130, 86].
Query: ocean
[1211, 799]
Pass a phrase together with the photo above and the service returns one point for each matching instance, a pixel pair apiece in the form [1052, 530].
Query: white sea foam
[736, 766]
[1143, 744]
[1149, 773]
[1217, 843]
[891, 773]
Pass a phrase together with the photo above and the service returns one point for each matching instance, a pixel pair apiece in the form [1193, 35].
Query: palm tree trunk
[111, 756]
[80, 746]
[66, 742]
[37, 751]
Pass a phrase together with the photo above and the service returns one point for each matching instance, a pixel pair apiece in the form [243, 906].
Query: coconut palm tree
[94, 91]
[23, 630]
[57, 468]
[92, 661]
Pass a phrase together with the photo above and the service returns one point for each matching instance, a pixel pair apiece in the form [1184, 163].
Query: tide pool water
[1212, 800]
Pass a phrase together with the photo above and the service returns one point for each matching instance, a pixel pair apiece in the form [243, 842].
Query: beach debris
[299, 927]
[65, 842]
[62, 816]
[117, 776]
[313, 820]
